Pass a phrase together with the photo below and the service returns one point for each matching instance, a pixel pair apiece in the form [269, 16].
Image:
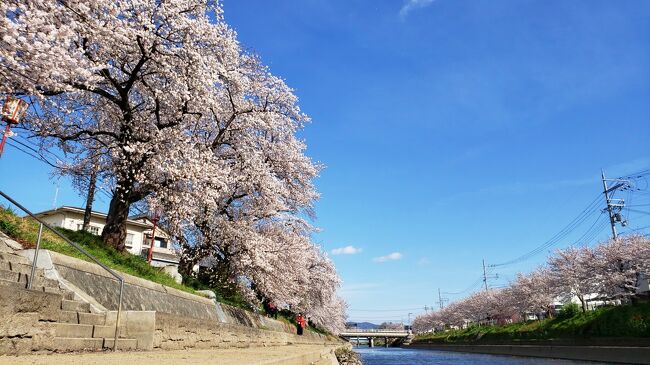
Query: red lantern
[13, 110]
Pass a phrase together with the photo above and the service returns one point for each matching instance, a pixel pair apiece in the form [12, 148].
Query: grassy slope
[26, 232]
[621, 321]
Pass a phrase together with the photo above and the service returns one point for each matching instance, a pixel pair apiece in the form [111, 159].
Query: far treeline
[158, 102]
[608, 275]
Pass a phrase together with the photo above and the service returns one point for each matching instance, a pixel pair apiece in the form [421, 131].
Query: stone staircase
[75, 327]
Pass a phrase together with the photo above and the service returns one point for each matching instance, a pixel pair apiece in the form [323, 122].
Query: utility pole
[441, 300]
[484, 276]
[90, 197]
[612, 221]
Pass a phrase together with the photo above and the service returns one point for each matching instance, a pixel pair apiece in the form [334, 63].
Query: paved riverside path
[280, 355]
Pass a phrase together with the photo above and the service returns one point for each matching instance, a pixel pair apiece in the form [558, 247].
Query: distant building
[138, 233]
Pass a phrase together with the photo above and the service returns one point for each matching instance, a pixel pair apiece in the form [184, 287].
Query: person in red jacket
[301, 323]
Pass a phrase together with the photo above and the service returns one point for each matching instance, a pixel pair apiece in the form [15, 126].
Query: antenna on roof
[56, 196]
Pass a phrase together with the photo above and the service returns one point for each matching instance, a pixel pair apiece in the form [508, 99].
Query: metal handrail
[81, 249]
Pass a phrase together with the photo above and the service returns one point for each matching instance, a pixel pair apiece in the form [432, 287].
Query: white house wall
[72, 219]
[54, 220]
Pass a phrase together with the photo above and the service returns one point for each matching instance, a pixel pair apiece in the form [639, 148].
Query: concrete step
[71, 330]
[78, 344]
[13, 276]
[106, 331]
[45, 282]
[71, 305]
[74, 317]
[8, 257]
[92, 318]
[21, 277]
[124, 344]
[67, 294]
[26, 269]
[69, 317]
[12, 283]
[5, 266]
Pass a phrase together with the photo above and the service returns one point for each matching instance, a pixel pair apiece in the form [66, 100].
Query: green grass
[631, 321]
[25, 231]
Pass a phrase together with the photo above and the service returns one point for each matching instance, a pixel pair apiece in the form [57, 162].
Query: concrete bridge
[358, 336]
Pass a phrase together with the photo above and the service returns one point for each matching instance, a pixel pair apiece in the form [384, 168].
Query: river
[399, 356]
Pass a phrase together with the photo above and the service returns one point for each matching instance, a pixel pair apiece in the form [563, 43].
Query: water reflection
[399, 356]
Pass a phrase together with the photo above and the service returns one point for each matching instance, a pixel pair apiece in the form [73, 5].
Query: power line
[636, 230]
[35, 154]
[26, 150]
[587, 236]
[638, 211]
[569, 228]
[469, 288]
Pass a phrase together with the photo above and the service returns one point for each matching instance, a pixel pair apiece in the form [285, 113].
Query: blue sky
[452, 130]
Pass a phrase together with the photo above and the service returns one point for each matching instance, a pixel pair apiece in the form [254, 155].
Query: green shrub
[569, 310]
[8, 228]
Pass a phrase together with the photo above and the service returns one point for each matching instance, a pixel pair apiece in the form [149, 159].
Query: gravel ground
[246, 356]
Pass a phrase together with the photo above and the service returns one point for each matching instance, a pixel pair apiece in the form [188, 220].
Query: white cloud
[347, 250]
[410, 5]
[424, 261]
[390, 257]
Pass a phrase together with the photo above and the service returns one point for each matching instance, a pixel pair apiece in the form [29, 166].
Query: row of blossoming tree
[162, 99]
[607, 273]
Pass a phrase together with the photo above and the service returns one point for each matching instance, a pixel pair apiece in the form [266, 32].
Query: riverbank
[609, 334]
[626, 321]
[277, 355]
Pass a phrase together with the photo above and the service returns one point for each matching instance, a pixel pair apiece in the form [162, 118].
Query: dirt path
[293, 354]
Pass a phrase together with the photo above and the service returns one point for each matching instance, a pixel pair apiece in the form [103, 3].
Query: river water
[399, 356]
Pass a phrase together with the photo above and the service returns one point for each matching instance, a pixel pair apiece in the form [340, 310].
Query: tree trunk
[582, 301]
[189, 258]
[90, 199]
[114, 233]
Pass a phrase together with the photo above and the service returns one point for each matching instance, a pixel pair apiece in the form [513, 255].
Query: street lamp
[12, 111]
[155, 217]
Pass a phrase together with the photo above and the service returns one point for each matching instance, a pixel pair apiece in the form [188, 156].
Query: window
[160, 242]
[129, 240]
[92, 229]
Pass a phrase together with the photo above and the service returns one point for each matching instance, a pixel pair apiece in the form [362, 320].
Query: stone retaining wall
[144, 295]
[176, 332]
[139, 294]
[27, 318]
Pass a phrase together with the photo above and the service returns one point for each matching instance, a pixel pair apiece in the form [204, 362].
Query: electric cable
[568, 229]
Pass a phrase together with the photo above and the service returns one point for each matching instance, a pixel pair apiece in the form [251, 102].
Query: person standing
[273, 310]
[301, 323]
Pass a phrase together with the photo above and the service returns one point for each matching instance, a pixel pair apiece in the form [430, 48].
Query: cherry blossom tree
[617, 265]
[133, 77]
[532, 292]
[185, 120]
[572, 274]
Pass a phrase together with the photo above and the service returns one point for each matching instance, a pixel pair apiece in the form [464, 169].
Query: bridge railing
[359, 330]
